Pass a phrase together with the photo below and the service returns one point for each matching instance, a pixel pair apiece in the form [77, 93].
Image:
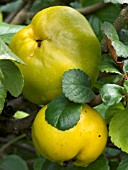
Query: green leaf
[47, 165]
[125, 66]
[88, 3]
[109, 13]
[3, 94]
[108, 65]
[95, 23]
[76, 4]
[9, 7]
[123, 36]
[100, 164]
[118, 129]
[101, 109]
[116, 1]
[12, 80]
[112, 110]
[112, 152]
[6, 53]
[20, 115]
[123, 165]
[39, 163]
[8, 30]
[62, 113]
[76, 86]
[111, 94]
[121, 49]
[14, 162]
[110, 31]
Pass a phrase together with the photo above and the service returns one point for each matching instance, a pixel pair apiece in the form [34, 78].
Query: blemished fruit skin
[59, 38]
[84, 142]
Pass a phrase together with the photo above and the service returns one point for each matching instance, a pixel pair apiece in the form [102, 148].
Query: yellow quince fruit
[82, 143]
[58, 38]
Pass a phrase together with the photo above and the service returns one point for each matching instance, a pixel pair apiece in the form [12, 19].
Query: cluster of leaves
[9, 72]
[76, 87]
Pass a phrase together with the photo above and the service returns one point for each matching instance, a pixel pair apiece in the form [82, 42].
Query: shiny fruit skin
[84, 142]
[58, 39]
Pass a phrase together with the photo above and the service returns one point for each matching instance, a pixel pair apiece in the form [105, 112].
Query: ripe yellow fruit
[84, 142]
[59, 38]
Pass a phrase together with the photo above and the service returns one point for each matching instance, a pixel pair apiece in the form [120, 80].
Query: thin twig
[96, 101]
[19, 144]
[9, 18]
[122, 19]
[87, 10]
[93, 8]
[22, 14]
[12, 142]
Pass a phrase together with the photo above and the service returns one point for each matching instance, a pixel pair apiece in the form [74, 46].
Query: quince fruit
[59, 38]
[82, 144]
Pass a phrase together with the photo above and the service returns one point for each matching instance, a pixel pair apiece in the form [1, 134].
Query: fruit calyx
[67, 162]
[39, 42]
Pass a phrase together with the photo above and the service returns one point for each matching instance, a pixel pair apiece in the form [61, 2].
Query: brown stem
[92, 8]
[96, 101]
[10, 17]
[122, 19]
[22, 14]
[18, 144]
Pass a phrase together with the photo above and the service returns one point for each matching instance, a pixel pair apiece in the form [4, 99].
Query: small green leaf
[62, 113]
[125, 66]
[12, 80]
[20, 114]
[116, 1]
[6, 53]
[123, 165]
[108, 65]
[3, 94]
[111, 94]
[110, 31]
[14, 162]
[118, 129]
[76, 86]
